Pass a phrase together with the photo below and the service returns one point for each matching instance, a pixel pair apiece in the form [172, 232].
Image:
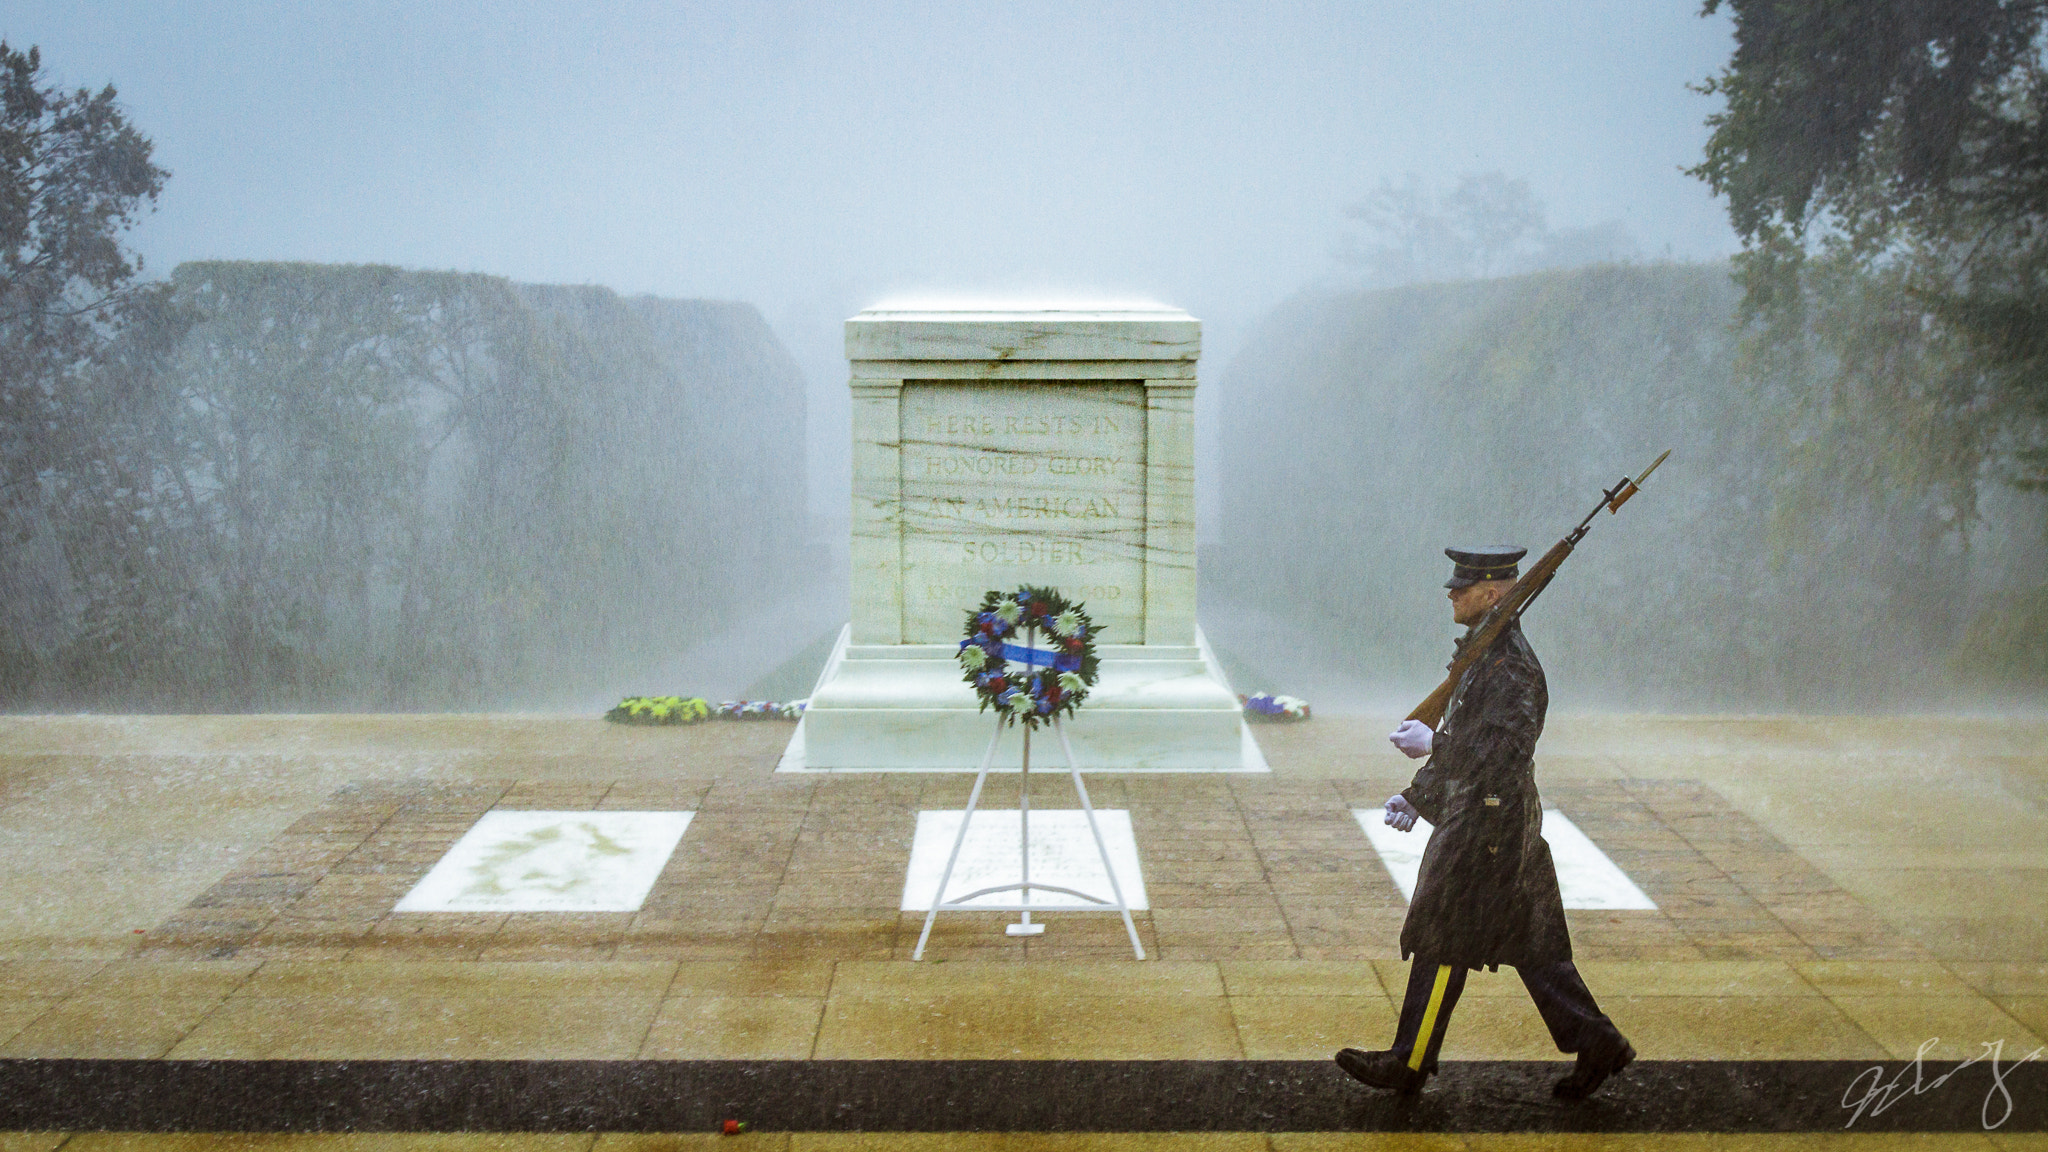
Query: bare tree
[1486, 225]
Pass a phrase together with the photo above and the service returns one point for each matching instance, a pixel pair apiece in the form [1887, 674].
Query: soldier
[1487, 892]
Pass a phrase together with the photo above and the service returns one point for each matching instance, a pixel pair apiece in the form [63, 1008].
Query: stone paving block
[1243, 867]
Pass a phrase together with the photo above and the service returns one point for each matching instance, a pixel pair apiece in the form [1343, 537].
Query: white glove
[1413, 738]
[1400, 813]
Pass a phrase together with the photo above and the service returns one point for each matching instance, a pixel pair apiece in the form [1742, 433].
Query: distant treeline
[322, 487]
[1365, 431]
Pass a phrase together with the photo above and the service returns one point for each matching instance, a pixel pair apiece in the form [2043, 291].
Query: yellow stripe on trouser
[1436, 1001]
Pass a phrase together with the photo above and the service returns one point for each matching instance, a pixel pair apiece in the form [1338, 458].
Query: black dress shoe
[1382, 1070]
[1592, 1070]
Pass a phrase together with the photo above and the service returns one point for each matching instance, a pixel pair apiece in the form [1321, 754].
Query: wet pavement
[1834, 891]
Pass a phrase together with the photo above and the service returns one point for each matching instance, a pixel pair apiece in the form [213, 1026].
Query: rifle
[1518, 597]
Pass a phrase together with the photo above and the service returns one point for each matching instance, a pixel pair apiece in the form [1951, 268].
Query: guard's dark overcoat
[1487, 891]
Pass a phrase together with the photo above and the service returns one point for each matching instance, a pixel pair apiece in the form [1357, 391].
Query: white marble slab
[1005, 485]
[1063, 852]
[920, 750]
[1585, 876]
[1002, 334]
[1077, 473]
[512, 861]
[905, 707]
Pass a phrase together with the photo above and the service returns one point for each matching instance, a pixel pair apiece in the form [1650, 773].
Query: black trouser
[1575, 1021]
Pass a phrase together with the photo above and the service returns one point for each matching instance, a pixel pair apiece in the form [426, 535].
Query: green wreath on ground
[1020, 680]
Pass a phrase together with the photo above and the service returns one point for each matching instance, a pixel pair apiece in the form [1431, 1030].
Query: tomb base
[905, 708]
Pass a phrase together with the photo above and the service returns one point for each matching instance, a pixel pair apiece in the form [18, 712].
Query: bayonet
[1523, 593]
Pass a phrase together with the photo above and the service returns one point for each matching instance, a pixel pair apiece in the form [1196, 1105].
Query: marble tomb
[996, 448]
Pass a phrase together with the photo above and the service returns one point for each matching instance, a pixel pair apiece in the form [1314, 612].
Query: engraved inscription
[1026, 507]
[1005, 484]
[1012, 465]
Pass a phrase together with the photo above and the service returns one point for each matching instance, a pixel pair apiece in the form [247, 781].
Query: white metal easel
[1024, 889]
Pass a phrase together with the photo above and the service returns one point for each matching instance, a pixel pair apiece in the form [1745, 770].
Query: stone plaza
[203, 895]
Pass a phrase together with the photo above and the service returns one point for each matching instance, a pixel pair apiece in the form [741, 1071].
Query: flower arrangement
[759, 710]
[692, 709]
[659, 710]
[1274, 709]
[1022, 681]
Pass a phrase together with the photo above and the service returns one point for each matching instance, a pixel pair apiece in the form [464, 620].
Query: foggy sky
[813, 159]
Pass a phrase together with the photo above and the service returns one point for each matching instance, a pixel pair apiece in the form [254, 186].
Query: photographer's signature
[1879, 1094]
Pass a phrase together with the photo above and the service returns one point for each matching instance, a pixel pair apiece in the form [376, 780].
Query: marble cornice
[1021, 336]
[1022, 371]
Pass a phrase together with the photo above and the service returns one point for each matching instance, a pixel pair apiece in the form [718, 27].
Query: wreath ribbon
[1031, 657]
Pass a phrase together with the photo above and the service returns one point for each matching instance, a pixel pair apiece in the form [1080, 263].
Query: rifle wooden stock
[1431, 710]
[1517, 597]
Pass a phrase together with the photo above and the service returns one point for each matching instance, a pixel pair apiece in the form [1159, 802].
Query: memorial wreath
[1051, 681]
